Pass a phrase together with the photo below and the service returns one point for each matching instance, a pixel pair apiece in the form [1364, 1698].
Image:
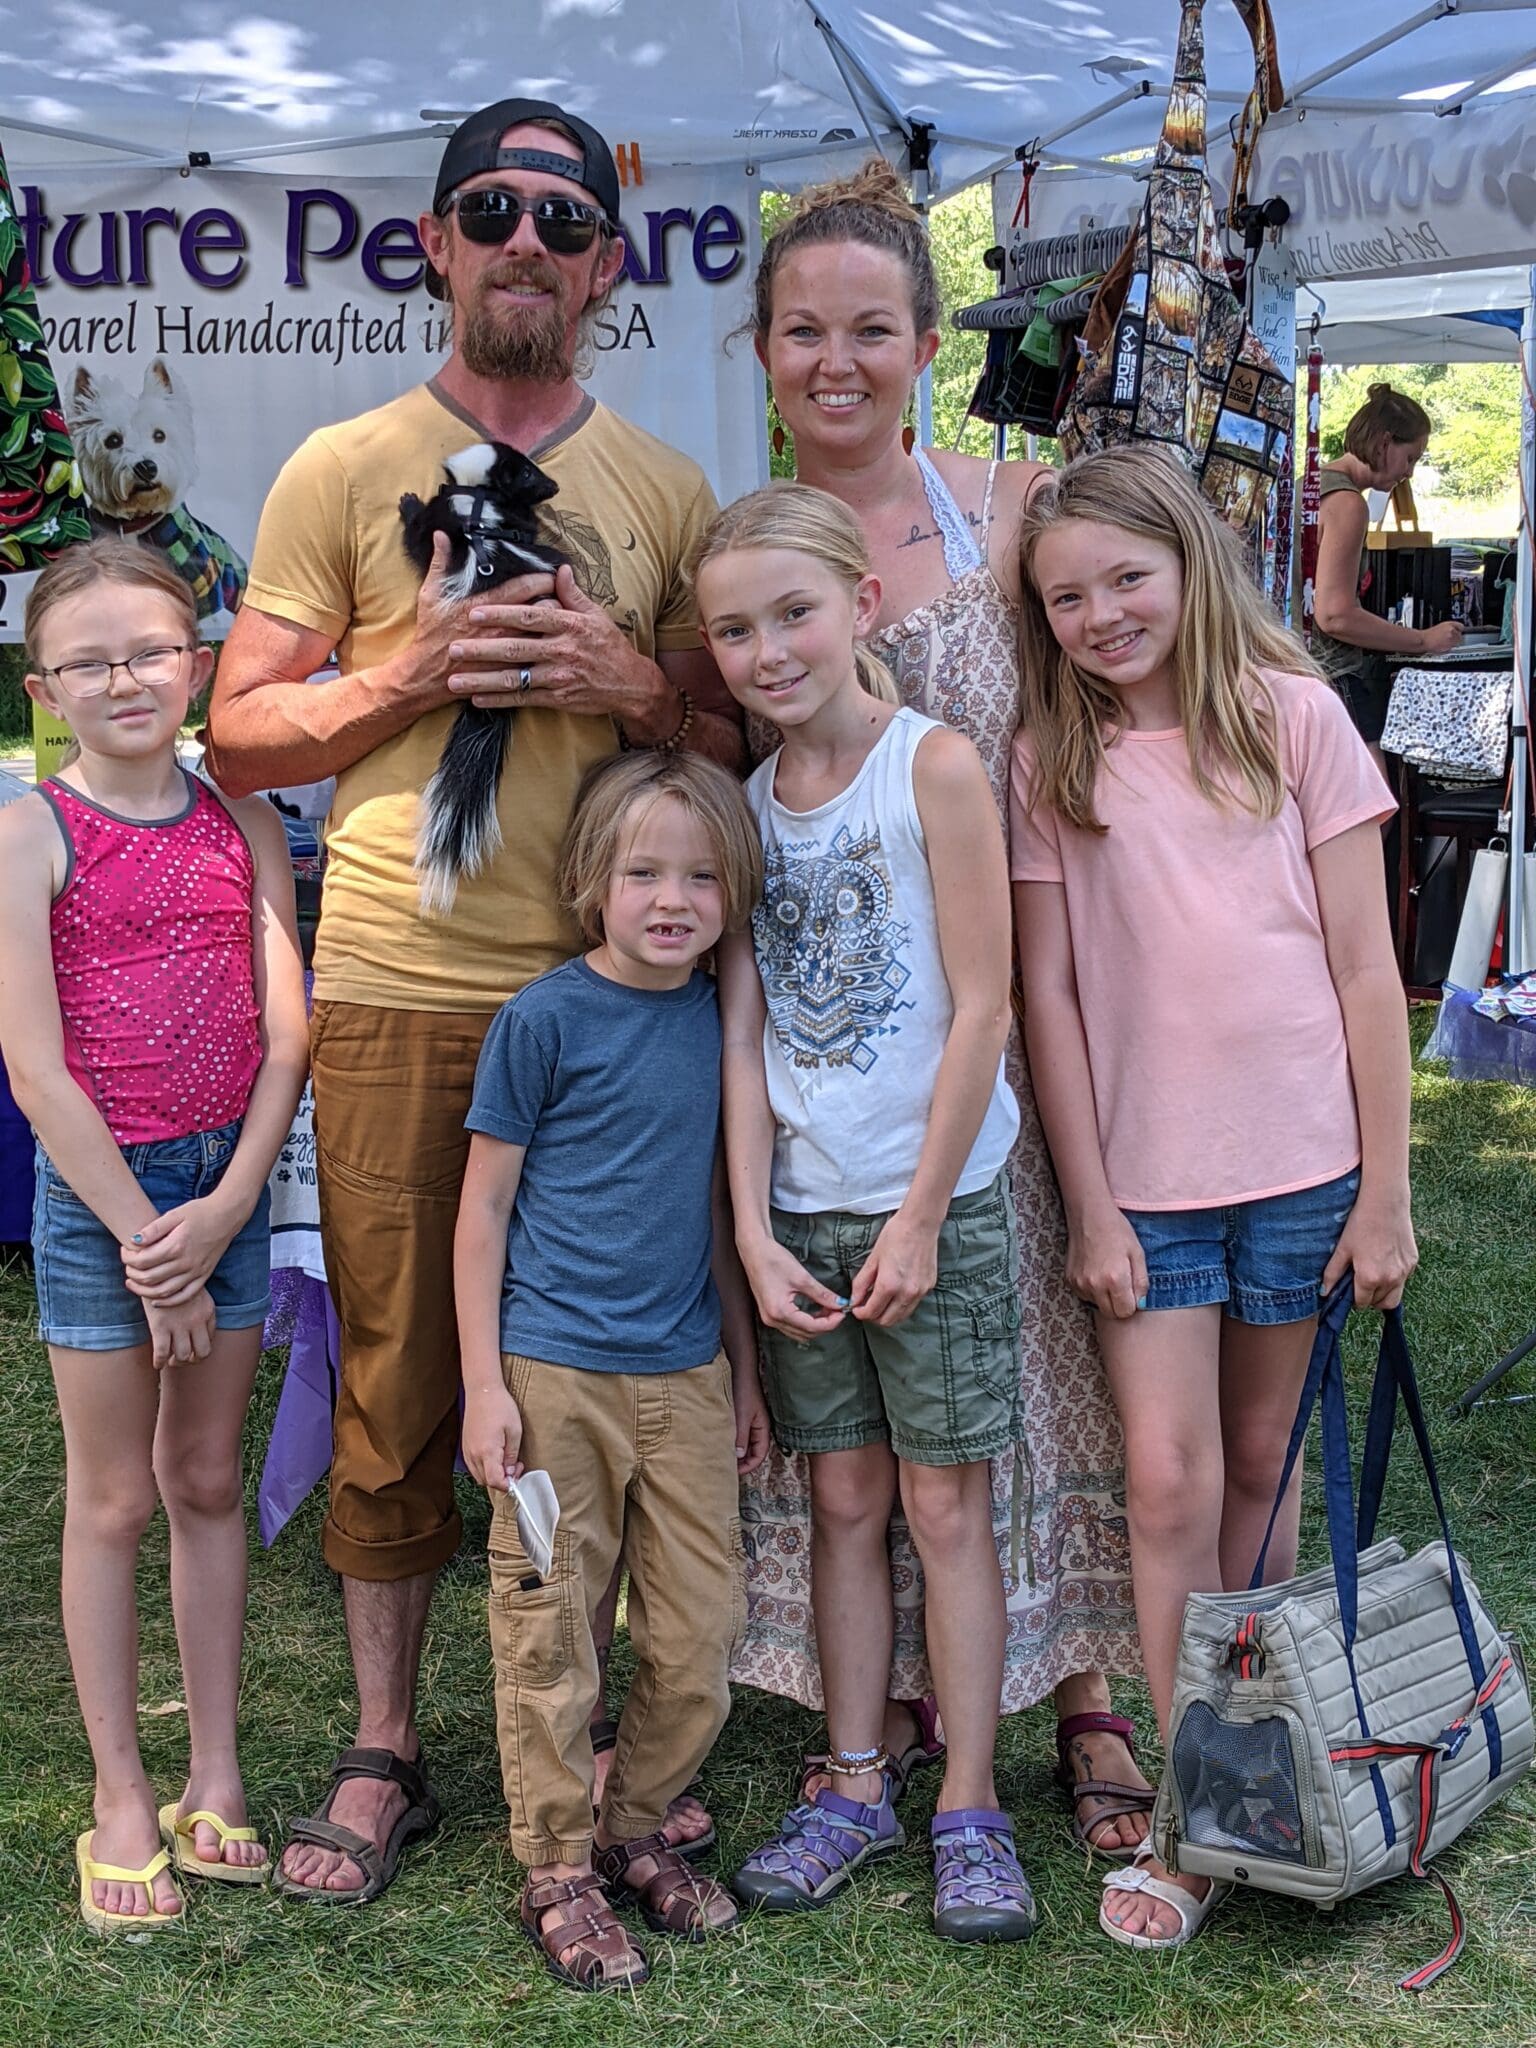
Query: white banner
[201, 325]
[1390, 195]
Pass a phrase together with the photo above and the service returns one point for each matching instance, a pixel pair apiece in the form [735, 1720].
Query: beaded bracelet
[674, 745]
[684, 724]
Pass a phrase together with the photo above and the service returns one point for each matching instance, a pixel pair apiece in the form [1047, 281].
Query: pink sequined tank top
[152, 955]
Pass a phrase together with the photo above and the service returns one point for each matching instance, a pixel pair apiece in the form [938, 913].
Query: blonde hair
[611, 791]
[81, 567]
[1386, 415]
[1227, 634]
[807, 522]
[870, 208]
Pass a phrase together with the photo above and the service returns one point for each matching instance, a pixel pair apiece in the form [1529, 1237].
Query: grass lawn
[440, 1962]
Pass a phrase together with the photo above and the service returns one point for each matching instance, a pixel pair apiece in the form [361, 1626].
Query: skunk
[488, 509]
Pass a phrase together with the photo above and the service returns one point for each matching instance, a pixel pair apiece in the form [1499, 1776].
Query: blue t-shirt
[615, 1093]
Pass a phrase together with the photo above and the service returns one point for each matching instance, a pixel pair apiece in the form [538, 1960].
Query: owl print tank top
[859, 1009]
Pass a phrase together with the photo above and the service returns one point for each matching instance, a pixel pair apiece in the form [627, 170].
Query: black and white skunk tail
[460, 830]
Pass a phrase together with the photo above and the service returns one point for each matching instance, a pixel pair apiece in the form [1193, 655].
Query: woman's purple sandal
[817, 1849]
[1112, 1800]
[980, 1893]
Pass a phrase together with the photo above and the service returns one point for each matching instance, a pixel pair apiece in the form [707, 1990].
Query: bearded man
[523, 239]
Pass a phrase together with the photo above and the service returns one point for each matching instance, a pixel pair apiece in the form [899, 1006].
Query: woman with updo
[1382, 446]
[845, 319]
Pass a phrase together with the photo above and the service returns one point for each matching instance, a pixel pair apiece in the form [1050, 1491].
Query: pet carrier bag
[1342, 1727]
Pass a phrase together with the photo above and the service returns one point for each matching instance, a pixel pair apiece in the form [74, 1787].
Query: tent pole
[49, 128]
[1520, 697]
[1481, 85]
[1425, 15]
[258, 152]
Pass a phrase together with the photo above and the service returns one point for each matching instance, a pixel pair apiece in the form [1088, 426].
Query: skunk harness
[489, 510]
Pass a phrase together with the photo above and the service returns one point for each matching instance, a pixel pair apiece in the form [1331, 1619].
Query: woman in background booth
[1383, 444]
[845, 318]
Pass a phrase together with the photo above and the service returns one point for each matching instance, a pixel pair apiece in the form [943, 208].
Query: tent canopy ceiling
[784, 85]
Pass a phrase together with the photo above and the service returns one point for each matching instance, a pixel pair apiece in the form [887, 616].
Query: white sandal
[1193, 1913]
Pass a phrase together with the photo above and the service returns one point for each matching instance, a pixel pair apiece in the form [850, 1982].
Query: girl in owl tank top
[868, 1128]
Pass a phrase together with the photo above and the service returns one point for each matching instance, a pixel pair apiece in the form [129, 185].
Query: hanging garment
[41, 509]
[1169, 354]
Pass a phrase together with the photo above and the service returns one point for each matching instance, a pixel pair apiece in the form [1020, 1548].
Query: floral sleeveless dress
[1070, 1606]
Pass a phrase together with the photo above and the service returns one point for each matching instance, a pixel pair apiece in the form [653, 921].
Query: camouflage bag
[1168, 351]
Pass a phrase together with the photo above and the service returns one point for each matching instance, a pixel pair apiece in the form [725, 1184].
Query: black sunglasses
[565, 226]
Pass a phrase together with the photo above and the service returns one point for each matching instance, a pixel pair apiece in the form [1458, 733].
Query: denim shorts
[83, 1302]
[942, 1388]
[1262, 1261]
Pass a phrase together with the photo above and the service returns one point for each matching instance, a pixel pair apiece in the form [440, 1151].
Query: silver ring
[524, 681]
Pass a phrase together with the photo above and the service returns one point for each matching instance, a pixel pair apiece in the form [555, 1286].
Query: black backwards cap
[475, 147]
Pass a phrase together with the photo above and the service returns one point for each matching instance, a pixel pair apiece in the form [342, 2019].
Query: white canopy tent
[1467, 316]
[783, 86]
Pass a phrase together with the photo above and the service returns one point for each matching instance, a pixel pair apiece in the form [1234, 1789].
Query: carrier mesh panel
[1237, 1783]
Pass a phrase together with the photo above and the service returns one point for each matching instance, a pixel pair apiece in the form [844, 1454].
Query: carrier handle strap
[1330, 1324]
[1395, 1377]
[1325, 1383]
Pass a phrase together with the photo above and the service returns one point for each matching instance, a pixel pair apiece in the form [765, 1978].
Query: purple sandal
[980, 1893]
[817, 1849]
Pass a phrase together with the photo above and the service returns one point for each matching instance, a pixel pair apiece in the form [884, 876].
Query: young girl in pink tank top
[1214, 1022]
[152, 1022]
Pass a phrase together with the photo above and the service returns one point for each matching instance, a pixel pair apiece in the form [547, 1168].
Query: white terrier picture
[137, 460]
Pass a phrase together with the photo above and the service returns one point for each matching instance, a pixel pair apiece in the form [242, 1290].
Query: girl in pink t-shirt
[152, 1019]
[1215, 1027]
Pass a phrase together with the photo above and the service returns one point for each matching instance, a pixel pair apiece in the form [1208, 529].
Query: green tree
[1474, 445]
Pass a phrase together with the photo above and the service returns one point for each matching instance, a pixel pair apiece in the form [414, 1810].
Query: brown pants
[392, 1089]
[644, 1468]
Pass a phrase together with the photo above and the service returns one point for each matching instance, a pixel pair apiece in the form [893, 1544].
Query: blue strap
[1330, 1322]
[1325, 1383]
[1397, 1366]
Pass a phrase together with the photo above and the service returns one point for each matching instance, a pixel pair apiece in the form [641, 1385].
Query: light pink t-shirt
[1215, 1037]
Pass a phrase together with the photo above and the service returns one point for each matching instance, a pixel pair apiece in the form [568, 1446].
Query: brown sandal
[675, 1899]
[379, 1867]
[589, 1949]
[1112, 1801]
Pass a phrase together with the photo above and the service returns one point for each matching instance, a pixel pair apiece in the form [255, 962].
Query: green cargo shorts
[941, 1388]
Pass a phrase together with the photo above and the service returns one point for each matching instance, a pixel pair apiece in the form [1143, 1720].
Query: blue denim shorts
[1263, 1261]
[83, 1302]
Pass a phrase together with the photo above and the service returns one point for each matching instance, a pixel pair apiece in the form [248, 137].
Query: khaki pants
[644, 1468]
[392, 1090]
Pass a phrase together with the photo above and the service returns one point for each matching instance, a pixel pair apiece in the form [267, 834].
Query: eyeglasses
[565, 226]
[152, 668]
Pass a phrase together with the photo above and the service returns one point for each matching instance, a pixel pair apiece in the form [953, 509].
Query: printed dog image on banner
[1169, 354]
[137, 461]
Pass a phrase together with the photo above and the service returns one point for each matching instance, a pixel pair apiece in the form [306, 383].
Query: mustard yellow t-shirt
[329, 556]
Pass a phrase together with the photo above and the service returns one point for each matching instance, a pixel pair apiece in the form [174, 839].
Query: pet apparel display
[1342, 1727]
[1452, 724]
[41, 510]
[1169, 353]
[488, 508]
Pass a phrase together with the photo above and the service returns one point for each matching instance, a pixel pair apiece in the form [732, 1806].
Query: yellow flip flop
[176, 1833]
[97, 1918]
